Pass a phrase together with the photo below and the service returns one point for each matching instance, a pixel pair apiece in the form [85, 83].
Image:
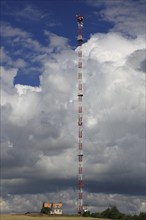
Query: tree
[115, 214]
[96, 215]
[112, 213]
[142, 216]
[86, 213]
[106, 213]
[46, 210]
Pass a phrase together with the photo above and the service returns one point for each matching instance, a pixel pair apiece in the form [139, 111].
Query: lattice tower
[80, 115]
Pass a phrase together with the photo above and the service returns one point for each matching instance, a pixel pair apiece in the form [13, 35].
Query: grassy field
[38, 217]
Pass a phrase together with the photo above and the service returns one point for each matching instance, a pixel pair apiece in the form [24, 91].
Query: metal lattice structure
[80, 115]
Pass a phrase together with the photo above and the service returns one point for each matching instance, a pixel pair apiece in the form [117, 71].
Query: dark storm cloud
[127, 186]
[137, 60]
[38, 186]
[142, 66]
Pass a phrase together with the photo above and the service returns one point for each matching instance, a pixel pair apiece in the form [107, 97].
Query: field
[38, 217]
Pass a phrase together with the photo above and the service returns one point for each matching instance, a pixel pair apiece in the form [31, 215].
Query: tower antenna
[80, 115]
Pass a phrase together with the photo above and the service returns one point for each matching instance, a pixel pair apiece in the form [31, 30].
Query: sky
[39, 131]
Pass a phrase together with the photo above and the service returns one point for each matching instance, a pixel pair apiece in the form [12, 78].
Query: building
[56, 208]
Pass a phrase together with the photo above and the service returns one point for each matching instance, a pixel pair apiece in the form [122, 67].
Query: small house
[56, 208]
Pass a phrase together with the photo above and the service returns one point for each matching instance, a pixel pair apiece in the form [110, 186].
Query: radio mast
[80, 115]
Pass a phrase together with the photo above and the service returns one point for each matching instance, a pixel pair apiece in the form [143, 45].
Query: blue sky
[53, 16]
[39, 130]
[57, 17]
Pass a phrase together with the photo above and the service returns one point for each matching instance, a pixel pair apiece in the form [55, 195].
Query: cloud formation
[39, 124]
[39, 129]
[127, 17]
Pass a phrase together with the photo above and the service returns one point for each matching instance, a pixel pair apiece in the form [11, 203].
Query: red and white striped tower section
[80, 115]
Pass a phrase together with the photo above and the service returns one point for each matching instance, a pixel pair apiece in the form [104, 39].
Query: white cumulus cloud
[41, 125]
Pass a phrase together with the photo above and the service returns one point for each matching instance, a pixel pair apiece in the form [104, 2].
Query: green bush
[45, 210]
[96, 215]
[86, 213]
[114, 213]
[142, 216]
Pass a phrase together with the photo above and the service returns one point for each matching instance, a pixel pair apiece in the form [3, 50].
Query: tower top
[79, 18]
